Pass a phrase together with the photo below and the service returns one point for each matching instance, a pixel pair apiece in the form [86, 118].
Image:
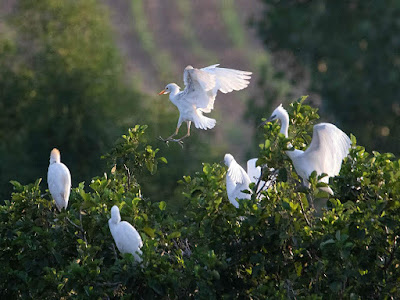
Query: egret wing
[328, 148]
[253, 171]
[203, 84]
[198, 90]
[131, 235]
[59, 179]
[228, 80]
[237, 173]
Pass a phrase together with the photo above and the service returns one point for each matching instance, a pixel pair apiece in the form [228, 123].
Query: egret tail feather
[203, 122]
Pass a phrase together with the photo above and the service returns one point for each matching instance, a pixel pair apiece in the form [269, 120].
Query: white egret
[328, 147]
[254, 173]
[58, 180]
[125, 235]
[237, 180]
[201, 87]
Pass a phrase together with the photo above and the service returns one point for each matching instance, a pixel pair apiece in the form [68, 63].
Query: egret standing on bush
[328, 147]
[58, 180]
[125, 235]
[237, 179]
[201, 87]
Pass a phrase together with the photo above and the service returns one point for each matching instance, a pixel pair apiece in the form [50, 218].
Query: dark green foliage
[351, 49]
[275, 248]
[61, 86]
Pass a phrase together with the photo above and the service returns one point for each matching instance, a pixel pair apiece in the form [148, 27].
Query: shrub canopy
[272, 247]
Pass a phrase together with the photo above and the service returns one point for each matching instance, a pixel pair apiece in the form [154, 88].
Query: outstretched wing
[328, 148]
[228, 80]
[237, 173]
[202, 85]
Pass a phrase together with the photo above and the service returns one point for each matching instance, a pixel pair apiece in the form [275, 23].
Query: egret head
[228, 159]
[170, 88]
[115, 215]
[55, 156]
[278, 114]
[189, 67]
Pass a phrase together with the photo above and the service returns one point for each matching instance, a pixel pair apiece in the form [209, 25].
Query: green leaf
[149, 231]
[162, 205]
[323, 244]
[163, 159]
[174, 235]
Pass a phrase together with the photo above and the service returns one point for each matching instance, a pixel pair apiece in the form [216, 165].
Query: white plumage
[125, 235]
[254, 173]
[201, 87]
[237, 180]
[328, 147]
[59, 180]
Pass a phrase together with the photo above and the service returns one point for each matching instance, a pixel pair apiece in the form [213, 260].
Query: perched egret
[237, 179]
[328, 147]
[59, 180]
[125, 235]
[201, 87]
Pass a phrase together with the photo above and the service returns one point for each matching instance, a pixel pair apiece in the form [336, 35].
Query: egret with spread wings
[201, 87]
[328, 147]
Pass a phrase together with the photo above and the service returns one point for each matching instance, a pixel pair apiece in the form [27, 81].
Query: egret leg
[171, 136]
[174, 134]
[179, 141]
[188, 132]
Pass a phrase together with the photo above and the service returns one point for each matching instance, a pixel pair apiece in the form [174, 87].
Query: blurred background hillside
[76, 74]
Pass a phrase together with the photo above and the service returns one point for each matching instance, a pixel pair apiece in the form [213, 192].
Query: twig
[82, 231]
[128, 174]
[114, 251]
[387, 263]
[303, 211]
[72, 223]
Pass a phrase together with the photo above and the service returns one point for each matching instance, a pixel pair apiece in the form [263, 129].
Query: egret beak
[162, 92]
[270, 119]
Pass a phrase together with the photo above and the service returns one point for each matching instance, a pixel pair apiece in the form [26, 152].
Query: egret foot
[179, 141]
[167, 140]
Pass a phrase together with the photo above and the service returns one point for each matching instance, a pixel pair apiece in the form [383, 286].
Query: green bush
[274, 247]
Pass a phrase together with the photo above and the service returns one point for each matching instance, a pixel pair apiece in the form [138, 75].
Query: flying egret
[328, 147]
[125, 235]
[59, 180]
[201, 87]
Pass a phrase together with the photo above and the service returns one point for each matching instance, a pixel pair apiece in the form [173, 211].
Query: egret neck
[115, 215]
[283, 116]
[174, 91]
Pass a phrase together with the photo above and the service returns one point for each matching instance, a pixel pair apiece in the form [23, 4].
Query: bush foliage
[272, 247]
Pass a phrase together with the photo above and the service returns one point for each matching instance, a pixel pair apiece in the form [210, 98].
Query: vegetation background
[77, 74]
